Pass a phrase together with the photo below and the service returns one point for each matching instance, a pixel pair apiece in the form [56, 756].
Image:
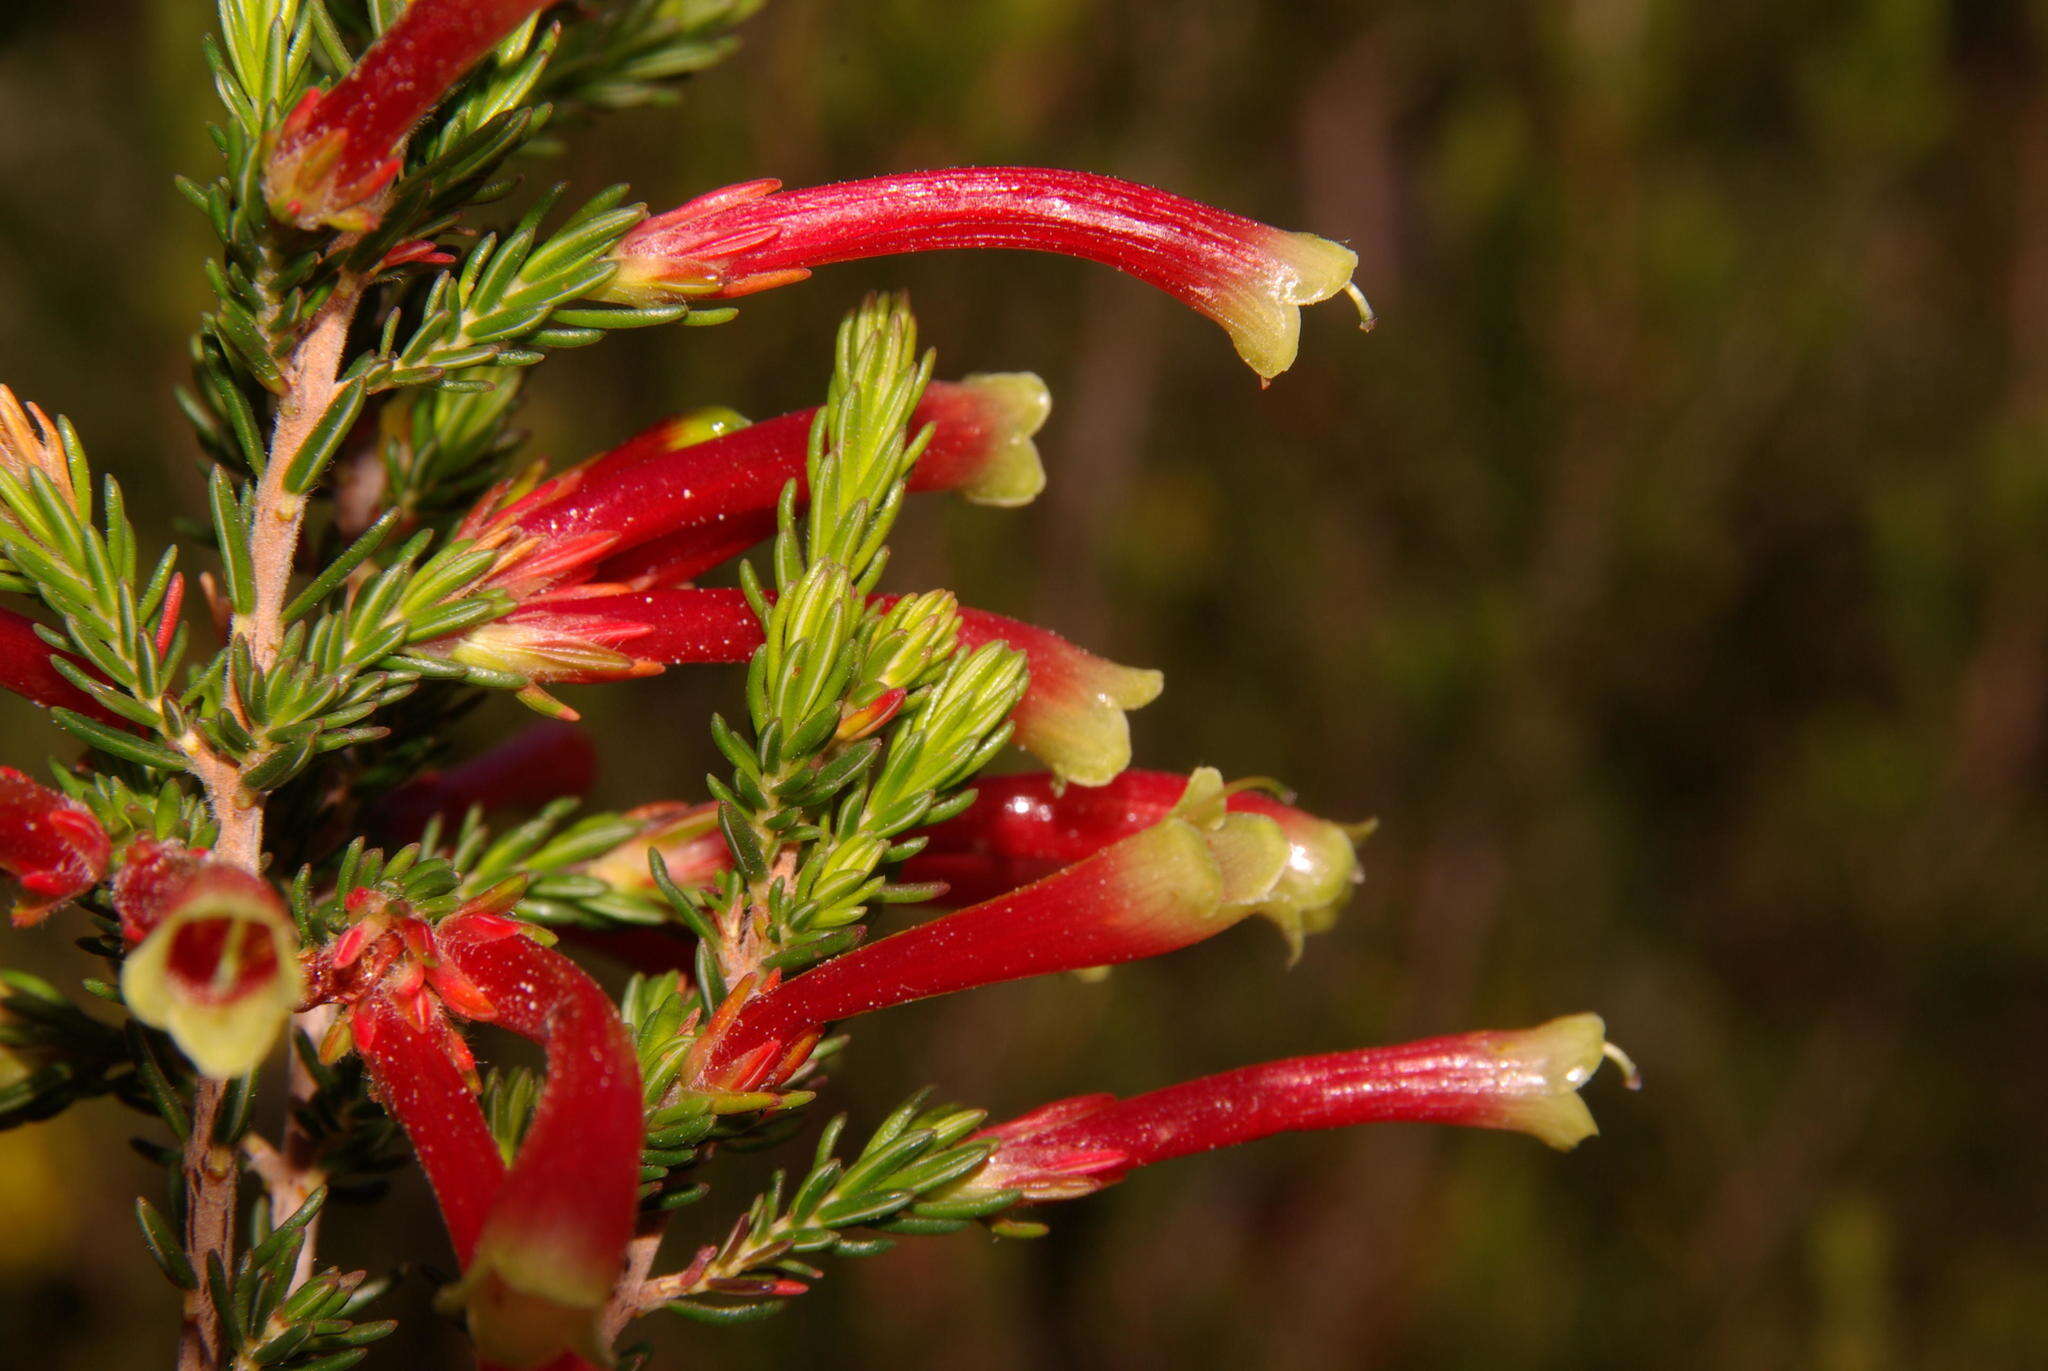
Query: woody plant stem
[312, 378]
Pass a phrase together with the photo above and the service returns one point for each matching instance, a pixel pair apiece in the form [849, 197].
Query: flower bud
[687, 837]
[1249, 277]
[213, 956]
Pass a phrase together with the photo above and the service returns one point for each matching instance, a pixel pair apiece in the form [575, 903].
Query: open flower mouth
[216, 961]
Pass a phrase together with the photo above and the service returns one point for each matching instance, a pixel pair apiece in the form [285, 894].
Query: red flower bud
[1249, 277]
[340, 148]
[1023, 827]
[50, 844]
[213, 956]
[1165, 888]
[1526, 1081]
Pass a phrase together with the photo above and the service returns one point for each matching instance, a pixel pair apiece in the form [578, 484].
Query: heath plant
[268, 855]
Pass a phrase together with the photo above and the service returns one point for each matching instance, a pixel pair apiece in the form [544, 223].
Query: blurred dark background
[1669, 573]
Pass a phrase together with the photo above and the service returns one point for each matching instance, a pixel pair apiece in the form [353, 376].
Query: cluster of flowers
[1086, 865]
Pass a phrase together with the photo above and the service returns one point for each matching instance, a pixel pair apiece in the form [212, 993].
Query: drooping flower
[554, 1240]
[1072, 716]
[341, 148]
[1167, 887]
[426, 1091]
[213, 956]
[50, 844]
[1249, 277]
[1526, 1081]
[540, 1240]
[1023, 827]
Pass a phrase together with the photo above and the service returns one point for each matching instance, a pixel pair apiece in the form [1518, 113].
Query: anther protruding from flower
[340, 149]
[1023, 827]
[685, 491]
[1526, 1081]
[50, 844]
[1249, 277]
[1159, 890]
[1072, 716]
[550, 759]
[554, 1240]
[213, 956]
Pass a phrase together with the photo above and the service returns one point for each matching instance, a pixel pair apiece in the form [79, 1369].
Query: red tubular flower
[340, 148]
[543, 762]
[665, 484]
[554, 1240]
[425, 1090]
[50, 844]
[541, 1242]
[1023, 827]
[1526, 1081]
[213, 956]
[1249, 277]
[1159, 890]
[25, 669]
[1072, 715]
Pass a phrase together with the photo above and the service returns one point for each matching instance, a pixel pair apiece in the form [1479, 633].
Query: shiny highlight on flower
[1249, 277]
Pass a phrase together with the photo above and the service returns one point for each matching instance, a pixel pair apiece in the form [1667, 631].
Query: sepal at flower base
[51, 845]
[213, 957]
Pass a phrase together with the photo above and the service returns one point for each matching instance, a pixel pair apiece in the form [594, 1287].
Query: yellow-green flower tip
[1013, 474]
[1262, 311]
[1547, 1065]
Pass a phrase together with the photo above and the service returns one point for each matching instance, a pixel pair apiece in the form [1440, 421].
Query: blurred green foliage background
[1669, 573]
